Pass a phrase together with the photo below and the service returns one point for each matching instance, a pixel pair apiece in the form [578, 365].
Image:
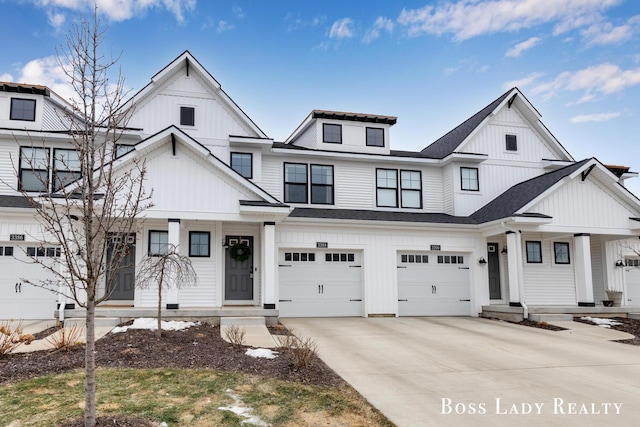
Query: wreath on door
[240, 252]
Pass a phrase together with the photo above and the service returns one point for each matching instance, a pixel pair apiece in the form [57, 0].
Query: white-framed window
[561, 253]
[469, 179]
[534, 252]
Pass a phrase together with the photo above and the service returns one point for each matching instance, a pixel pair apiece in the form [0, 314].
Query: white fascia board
[354, 156]
[464, 157]
[527, 220]
[250, 141]
[422, 226]
[301, 128]
[279, 211]
[551, 165]
[634, 225]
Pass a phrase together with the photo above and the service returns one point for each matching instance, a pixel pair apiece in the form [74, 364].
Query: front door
[239, 269]
[494, 271]
[122, 279]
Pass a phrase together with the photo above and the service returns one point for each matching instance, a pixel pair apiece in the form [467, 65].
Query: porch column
[584, 279]
[173, 239]
[513, 248]
[269, 265]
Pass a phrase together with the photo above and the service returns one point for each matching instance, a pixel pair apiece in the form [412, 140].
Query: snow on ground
[605, 323]
[152, 324]
[238, 407]
[262, 352]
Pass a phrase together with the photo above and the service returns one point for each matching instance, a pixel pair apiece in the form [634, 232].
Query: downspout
[525, 312]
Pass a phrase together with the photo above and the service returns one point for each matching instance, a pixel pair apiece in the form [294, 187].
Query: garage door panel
[433, 284]
[325, 284]
[632, 278]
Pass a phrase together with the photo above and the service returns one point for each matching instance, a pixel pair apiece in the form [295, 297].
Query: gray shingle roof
[15, 202]
[446, 144]
[365, 215]
[509, 202]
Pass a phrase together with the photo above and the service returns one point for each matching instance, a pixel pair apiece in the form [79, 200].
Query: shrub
[234, 334]
[10, 337]
[66, 338]
[302, 350]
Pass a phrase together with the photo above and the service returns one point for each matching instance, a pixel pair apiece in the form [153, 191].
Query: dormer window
[511, 143]
[23, 109]
[332, 133]
[375, 137]
[187, 116]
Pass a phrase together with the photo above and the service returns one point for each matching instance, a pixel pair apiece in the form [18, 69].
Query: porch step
[243, 321]
[549, 318]
[99, 322]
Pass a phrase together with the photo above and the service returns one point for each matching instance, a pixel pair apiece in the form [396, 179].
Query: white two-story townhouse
[333, 221]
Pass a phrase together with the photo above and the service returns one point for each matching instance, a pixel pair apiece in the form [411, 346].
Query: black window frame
[530, 259]
[187, 120]
[556, 245]
[159, 253]
[323, 186]
[288, 184]
[239, 170]
[375, 138]
[21, 170]
[71, 174]
[378, 188]
[13, 111]
[325, 133]
[412, 190]
[462, 180]
[511, 142]
[192, 253]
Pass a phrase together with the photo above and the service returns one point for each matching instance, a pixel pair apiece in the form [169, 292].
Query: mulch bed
[199, 347]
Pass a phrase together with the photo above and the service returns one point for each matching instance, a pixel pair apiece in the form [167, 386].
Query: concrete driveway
[459, 371]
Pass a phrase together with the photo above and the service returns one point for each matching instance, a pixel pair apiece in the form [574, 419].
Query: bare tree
[87, 211]
[168, 270]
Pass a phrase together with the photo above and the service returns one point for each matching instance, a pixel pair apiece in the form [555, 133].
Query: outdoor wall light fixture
[482, 261]
[504, 251]
[619, 263]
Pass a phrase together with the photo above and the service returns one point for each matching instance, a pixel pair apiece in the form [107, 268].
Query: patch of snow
[602, 322]
[264, 353]
[238, 407]
[152, 324]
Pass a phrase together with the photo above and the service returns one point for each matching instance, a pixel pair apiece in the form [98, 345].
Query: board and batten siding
[585, 204]
[548, 283]
[213, 121]
[597, 269]
[193, 186]
[379, 249]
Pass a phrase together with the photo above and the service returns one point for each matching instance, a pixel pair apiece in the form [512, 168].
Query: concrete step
[242, 321]
[550, 318]
[99, 322]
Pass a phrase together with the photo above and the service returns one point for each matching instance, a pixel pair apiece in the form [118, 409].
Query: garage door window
[6, 250]
[450, 259]
[300, 256]
[42, 252]
[340, 257]
[414, 259]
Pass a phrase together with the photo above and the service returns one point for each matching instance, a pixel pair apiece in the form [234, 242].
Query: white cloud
[517, 50]
[469, 18]
[6, 77]
[224, 26]
[120, 10]
[237, 10]
[56, 20]
[381, 23]
[523, 82]
[598, 117]
[341, 29]
[603, 79]
[605, 33]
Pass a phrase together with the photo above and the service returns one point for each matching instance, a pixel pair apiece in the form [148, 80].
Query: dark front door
[238, 269]
[121, 280]
[494, 271]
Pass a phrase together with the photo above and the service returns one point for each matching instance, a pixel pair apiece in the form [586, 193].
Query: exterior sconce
[482, 261]
[619, 263]
[504, 251]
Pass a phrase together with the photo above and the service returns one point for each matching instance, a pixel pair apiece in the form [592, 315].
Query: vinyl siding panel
[53, 118]
[597, 269]
[9, 159]
[308, 138]
[548, 283]
[204, 294]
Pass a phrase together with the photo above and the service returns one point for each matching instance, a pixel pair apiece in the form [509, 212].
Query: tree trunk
[159, 332]
[90, 366]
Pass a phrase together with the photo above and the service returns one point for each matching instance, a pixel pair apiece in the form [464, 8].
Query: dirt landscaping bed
[630, 326]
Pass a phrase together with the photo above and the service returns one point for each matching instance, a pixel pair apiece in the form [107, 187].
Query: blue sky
[431, 63]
